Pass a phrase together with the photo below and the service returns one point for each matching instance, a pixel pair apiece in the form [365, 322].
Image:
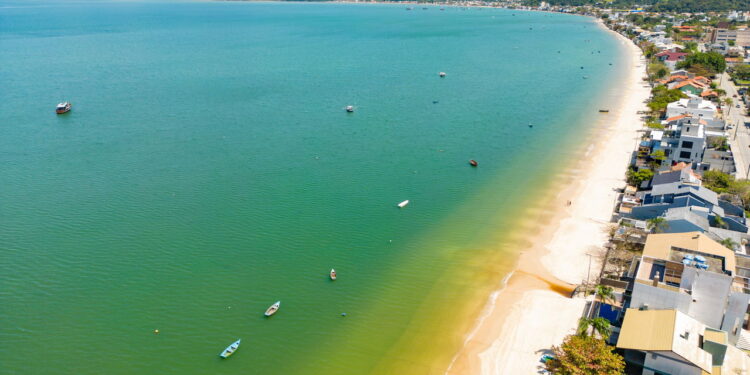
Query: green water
[208, 169]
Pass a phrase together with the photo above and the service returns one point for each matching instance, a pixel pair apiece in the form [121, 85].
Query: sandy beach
[532, 312]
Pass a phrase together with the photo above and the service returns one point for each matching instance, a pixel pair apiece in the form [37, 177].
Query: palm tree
[728, 243]
[605, 293]
[657, 224]
[598, 325]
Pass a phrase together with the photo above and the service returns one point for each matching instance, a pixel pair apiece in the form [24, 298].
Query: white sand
[527, 319]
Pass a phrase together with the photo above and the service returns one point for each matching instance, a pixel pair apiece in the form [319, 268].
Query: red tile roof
[678, 117]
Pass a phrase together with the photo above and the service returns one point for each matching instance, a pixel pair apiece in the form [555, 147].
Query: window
[687, 144]
[685, 155]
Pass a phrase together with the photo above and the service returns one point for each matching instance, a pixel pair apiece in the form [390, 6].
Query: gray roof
[670, 177]
[696, 215]
[678, 188]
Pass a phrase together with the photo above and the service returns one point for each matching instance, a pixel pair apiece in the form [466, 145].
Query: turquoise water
[208, 169]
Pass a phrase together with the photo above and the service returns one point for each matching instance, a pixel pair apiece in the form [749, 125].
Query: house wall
[670, 363]
[694, 151]
[735, 316]
[682, 226]
[649, 211]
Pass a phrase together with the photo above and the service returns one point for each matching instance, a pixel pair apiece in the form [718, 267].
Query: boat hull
[230, 349]
[273, 309]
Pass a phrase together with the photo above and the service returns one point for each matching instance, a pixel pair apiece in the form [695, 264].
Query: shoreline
[514, 329]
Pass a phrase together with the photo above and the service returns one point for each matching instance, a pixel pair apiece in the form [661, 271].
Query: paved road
[739, 136]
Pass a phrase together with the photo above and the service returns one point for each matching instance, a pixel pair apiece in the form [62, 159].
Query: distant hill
[662, 5]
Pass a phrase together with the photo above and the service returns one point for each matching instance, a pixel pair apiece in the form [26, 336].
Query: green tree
[597, 325]
[742, 72]
[657, 225]
[657, 70]
[720, 223]
[661, 96]
[714, 61]
[717, 181]
[691, 47]
[605, 293]
[728, 243]
[635, 178]
[657, 158]
[579, 355]
[718, 143]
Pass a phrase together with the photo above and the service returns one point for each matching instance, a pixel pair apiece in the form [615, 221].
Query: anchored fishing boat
[350, 108]
[230, 349]
[63, 107]
[333, 274]
[473, 163]
[273, 309]
[604, 110]
[442, 74]
[403, 204]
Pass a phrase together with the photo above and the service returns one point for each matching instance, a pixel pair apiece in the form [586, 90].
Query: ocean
[208, 169]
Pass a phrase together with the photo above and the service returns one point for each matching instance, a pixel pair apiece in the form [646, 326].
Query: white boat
[442, 74]
[403, 204]
[350, 108]
[230, 349]
[333, 274]
[273, 309]
[63, 107]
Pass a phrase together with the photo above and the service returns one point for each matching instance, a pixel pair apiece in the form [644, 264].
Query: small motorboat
[63, 107]
[442, 74]
[403, 204]
[350, 108]
[604, 110]
[408, 8]
[230, 349]
[473, 163]
[333, 274]
[273, 309]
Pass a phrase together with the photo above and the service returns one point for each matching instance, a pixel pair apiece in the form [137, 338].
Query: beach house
[670, 58]
[692, 105]
[671, 342]
[682, 203]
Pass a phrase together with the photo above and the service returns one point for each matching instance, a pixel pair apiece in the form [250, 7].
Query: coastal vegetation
[657, 224]
[585, 355]
[636, 177]
[741, 72]
[598, 326]
[712, 62]
[661, 96]
[691, 6]
[724, 183]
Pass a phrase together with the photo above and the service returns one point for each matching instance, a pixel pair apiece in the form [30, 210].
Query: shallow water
[208, 169]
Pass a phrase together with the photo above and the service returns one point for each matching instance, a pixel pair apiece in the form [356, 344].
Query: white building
[693, 106]
[691, 143]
